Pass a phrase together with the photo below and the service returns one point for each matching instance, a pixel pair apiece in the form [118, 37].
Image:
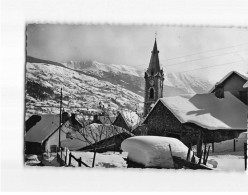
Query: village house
[128, 120]
[233, 82]
[198, 118]
[42, 133]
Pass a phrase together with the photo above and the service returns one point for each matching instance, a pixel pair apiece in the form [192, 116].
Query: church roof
[154, 66]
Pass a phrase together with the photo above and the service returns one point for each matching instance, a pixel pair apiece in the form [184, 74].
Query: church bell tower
[154, 78]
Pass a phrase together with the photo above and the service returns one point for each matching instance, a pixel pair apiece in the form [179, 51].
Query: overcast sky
[132, 45]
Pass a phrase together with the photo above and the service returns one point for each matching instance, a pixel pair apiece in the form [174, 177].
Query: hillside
[80, 92]
[87, 84]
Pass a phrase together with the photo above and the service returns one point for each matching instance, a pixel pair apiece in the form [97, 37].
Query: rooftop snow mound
[208, 111]
[153, 151]
[132, 119]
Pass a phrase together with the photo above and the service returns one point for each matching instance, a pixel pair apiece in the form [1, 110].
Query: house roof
[41, 130]
[228, 75]
[106, 119]
[48, 125]
[208, 111]
[131, 118]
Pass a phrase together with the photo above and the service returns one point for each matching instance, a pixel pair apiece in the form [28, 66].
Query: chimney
[65, 116]
[219, 91]
[95, 119]
[73, 116]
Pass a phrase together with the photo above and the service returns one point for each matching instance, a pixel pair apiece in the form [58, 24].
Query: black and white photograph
[124, 96]
[161, 97]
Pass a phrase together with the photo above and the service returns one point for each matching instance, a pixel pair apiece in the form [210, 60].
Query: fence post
[70, 159]
[79, 162]
[234, 145]
[245, 155]
[65, 156]
[212, 147]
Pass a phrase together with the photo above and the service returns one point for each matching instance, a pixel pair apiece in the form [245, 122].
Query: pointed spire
[155, 49]
[154, 66]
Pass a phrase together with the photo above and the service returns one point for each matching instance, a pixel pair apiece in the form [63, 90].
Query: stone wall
[162, 122]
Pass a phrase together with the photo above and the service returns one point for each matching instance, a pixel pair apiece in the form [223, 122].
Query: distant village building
[42, 134]
[128, 120]
[233, 82]
[103, 119]
[154, 78]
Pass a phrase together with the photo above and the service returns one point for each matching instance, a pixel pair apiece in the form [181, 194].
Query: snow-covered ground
[154, 151]
[103, 160]
[228, 162]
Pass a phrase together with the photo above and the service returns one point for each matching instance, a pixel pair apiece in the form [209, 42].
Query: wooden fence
[79, 160]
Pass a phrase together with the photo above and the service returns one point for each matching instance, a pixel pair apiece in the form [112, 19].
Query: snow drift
[153, 151]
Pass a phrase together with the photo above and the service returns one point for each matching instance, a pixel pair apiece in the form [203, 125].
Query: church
[154, 79]
[211, 117]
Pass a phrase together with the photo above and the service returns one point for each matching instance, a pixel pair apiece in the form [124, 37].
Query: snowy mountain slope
[133, 79]
[125, 76]
[80, 92]
[181, 83]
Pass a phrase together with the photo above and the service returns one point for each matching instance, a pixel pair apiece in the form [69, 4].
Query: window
[151, 95]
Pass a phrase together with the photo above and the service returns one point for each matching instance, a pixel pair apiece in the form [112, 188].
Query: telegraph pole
[60, 116]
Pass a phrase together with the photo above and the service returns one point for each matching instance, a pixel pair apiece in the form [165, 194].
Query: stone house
[203, 117]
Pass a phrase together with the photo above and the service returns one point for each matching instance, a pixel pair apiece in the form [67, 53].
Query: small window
[151, 93]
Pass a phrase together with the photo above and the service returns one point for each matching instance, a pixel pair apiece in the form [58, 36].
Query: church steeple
[154, 66]
[154, 79]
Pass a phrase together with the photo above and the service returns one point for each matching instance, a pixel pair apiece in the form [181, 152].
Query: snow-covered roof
[131, 118]
[48, 125]
[245, 85]
[208, 111]
[43, 129]
[225, 77]
[106, 119]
